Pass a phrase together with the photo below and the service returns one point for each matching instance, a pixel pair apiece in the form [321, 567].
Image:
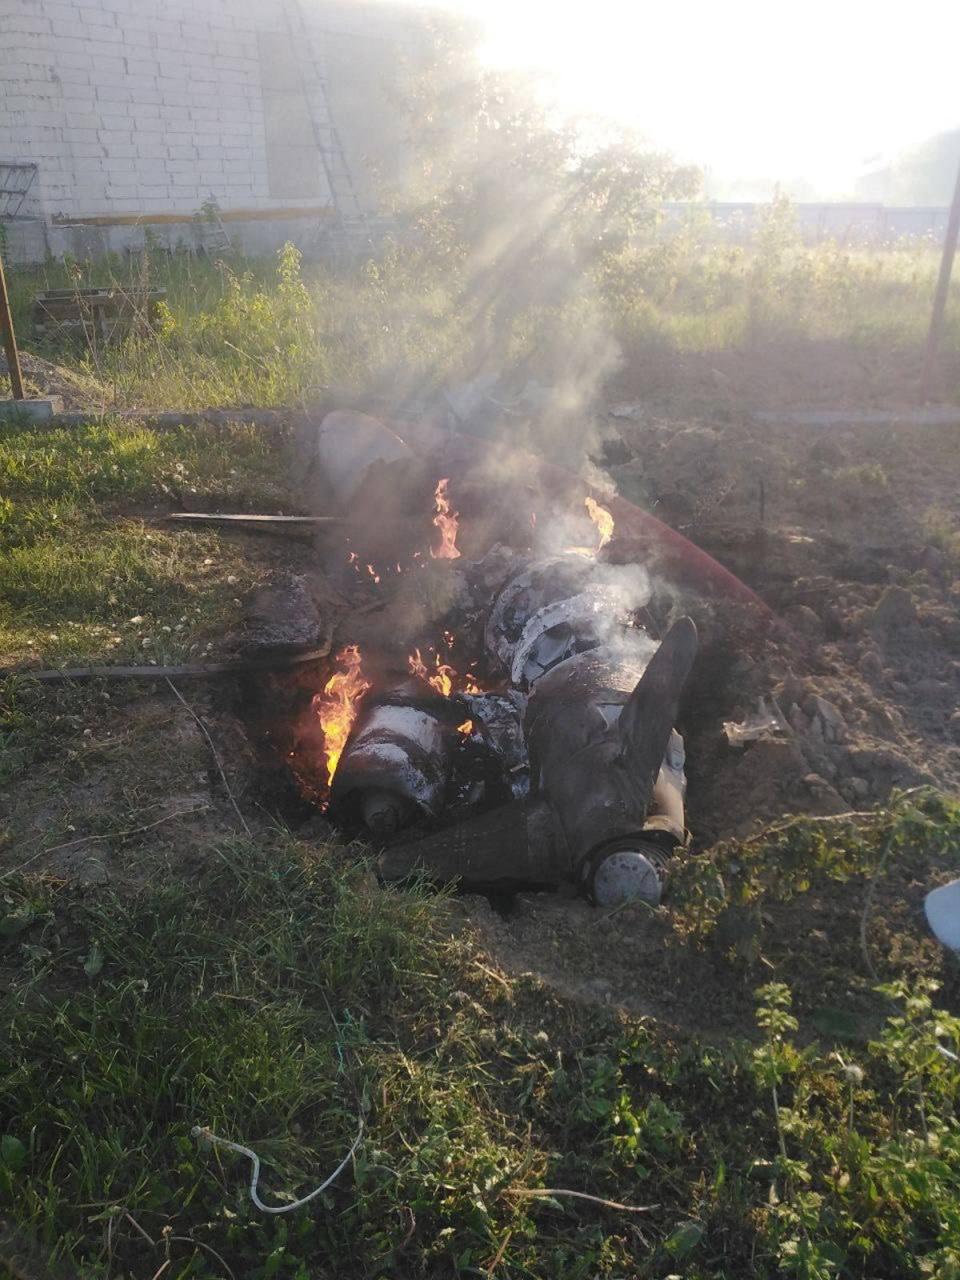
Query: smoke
[520, 212]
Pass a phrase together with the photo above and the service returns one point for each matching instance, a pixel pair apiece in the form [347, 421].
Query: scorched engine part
[396, 765]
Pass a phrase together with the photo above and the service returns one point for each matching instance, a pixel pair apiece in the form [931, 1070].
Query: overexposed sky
[744, 87]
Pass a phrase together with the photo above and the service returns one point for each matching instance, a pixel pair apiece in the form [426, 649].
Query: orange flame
[466, 727]
[447, 522]
[602, 518]
[442, 682]
[337, 706]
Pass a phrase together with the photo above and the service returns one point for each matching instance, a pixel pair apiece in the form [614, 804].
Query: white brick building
[137, 114]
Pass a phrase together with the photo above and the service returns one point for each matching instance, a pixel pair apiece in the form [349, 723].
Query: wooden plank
[171, 219]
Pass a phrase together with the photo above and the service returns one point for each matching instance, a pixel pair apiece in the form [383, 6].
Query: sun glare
[746, 89]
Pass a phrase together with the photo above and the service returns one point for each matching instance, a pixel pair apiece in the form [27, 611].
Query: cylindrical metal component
[603, 750]
[626, 876]
[385, 811]
[526, 594]
[517, 845]
[396, 764]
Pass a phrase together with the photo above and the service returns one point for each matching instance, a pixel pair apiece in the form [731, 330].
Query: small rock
[895, 608]
[802, 618]
[814, 782]
[798, 721]
[282, 617]
[932, 560]
[93, 873]
[870, 665]
[834, 727]
[859, 788]
[793, 691]
[936, 691]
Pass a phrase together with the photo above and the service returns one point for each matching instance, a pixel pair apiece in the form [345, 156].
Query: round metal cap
[625, 877]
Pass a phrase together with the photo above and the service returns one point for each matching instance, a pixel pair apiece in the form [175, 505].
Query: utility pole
[940, 297]
[10, 339]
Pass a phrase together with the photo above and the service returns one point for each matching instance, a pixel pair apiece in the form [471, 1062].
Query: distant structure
[202, 122]
[848, 222]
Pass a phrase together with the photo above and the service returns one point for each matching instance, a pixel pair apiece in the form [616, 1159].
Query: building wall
[138, 112]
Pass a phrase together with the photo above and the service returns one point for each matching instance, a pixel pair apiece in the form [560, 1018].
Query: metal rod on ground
[10, 339]
[212, 517]
[940, 297]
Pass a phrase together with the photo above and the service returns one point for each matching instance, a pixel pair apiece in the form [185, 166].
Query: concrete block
[75, 75]
[142, 68]
[17, 25]
[115, 93]
[114, 137]
[60, 12]
[36, 410]
[106, 34]
[72, 134]
[79, 113]
[70, 53]
[47, 117]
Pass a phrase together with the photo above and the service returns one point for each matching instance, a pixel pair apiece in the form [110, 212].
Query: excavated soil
[848, 536]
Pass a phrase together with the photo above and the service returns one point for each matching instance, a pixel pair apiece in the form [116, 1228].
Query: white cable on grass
[201, 1131]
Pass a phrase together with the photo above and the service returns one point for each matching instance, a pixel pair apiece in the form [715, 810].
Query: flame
[442, 682]
[466, 727]
[602, 518]
[337, 705]
[470, 685]
[373, 574]
[447, 522]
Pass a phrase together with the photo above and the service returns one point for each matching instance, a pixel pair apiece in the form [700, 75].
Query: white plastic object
[942, 907]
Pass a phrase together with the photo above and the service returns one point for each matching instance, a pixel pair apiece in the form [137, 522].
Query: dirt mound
[44, 378]
[851, 683]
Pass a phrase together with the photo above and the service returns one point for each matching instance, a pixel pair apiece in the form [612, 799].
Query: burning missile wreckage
[500, 713]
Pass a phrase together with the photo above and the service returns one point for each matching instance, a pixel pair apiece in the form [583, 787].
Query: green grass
[271, 331]
[84, 576]
[271, 990]
[261, 331]
[281, 995]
